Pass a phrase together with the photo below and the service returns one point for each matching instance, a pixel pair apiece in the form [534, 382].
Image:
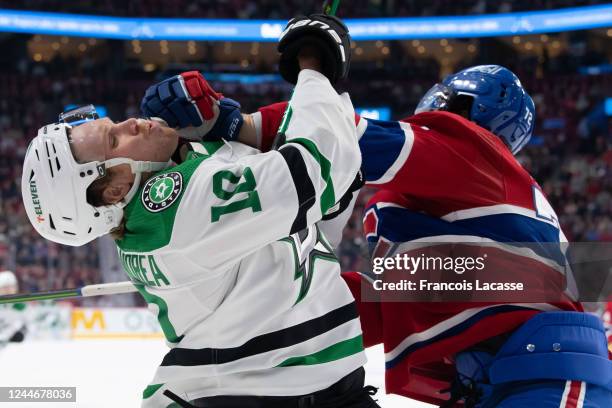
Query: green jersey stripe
[162, 314]
[328, 198]
[286, 119]
[332, 353]
[264, 343]
[150, 390]
[212, 146]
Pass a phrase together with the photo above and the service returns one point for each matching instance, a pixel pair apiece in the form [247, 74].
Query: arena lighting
[374, 112]
[245, 79]
[568, 19]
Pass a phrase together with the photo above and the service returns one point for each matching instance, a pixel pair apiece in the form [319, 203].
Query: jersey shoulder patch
[161, 191]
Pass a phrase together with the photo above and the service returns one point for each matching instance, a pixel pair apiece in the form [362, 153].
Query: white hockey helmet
[8, 279]
[54, 185]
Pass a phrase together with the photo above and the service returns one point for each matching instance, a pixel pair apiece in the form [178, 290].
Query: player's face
[136, 139]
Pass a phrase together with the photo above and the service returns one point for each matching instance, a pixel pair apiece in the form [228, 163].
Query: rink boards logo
[161, 191]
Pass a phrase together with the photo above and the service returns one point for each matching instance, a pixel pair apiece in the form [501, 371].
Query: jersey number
[227, 185]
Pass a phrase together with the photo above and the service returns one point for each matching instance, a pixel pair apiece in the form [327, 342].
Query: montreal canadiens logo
[161, 191]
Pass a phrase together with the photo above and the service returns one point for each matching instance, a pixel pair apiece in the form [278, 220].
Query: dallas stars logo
[161, 191]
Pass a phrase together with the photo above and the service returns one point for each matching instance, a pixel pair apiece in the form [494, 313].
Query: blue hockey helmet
[497, 102]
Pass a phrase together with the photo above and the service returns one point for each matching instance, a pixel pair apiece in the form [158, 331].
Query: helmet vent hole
[51, 222]
[89, 230]
[53, 146]
[69, 233]
[58, 163]
[67, 219]
[82, 174]
[37, 156]
[96, 214]
[51, 168]
[89, 172]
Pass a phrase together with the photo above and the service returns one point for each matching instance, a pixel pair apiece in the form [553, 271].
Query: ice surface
[113, 373]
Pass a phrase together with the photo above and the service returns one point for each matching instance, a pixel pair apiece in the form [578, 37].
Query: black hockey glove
[327, 34]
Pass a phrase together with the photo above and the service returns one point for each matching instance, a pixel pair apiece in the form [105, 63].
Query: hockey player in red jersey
[456, 179]
[448, 172]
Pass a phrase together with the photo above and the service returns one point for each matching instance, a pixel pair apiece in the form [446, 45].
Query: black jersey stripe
[265, 342]
[303, 185]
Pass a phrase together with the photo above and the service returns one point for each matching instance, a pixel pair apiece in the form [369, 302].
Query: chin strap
[128, 197]
[137, 167]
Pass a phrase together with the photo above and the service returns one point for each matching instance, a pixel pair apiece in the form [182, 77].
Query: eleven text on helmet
[35, 201]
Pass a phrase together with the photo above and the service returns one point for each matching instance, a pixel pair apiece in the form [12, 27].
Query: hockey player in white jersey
[8, 283]
[12, 322]
[224, 246]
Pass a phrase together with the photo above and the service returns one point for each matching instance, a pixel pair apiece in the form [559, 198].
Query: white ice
[113, 373]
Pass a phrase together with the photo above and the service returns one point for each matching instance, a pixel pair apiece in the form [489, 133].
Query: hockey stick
[330, 8]
[101, 289]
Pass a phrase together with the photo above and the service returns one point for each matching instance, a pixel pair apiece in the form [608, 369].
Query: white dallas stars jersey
[225, 250]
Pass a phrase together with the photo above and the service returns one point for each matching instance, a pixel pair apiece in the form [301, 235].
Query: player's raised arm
[243, 204]
[188, 103]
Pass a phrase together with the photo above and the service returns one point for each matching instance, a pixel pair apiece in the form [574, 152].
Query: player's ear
[115, 191]
[119, 180]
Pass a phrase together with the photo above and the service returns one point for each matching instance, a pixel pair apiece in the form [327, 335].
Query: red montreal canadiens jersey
[607, 318]
[441, 177]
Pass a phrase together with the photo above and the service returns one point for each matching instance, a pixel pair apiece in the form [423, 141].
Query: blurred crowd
[268, 9]
[571, 153]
